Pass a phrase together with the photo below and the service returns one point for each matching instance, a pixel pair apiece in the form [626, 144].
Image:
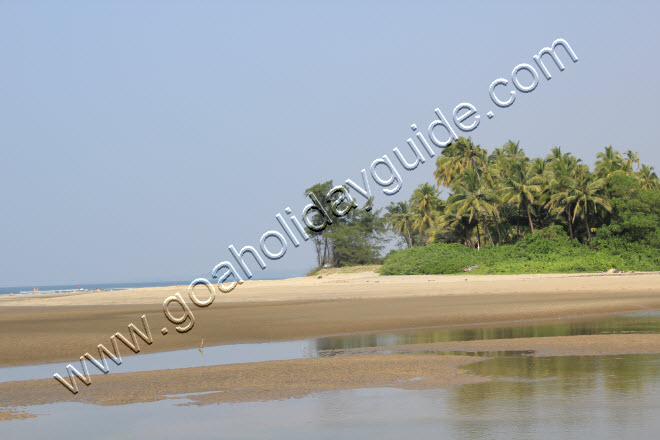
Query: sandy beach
[258, 381]
[416, 367]
[62, 327]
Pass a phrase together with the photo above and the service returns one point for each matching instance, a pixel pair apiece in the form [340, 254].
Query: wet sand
[417, 366]
[260, 381]
[63, 327]
[12, 414]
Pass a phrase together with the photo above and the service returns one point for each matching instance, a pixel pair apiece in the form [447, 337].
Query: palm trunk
[499, 234]
[490, 237]
[478, 237]
[570, 223]
[586, 220]
[529, 217]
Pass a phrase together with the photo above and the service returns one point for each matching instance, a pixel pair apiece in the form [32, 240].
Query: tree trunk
[529, 217]
[326, 255]
[499, 234]
[586, 220]
[318, 247]
[490, 237]
[570, 223]
[478, 236]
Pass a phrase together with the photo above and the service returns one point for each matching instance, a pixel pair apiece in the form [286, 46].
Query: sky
[138, 140]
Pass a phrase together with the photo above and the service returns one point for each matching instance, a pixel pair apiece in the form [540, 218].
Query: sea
[67, 288]
[70, 288]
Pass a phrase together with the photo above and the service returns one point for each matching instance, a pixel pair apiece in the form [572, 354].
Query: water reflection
[580, 397]
[609, 397]
[601, 397]
[618, 373]
[643, 322]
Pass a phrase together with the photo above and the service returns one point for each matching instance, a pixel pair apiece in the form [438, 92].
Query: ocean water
[63, 288]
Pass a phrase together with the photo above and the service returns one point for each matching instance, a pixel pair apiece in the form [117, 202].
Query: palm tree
[608, 162]
[587, 191]
[505, 157]
[561, 181]
[648, 178]
[513, 151]
[473, 199]
[399, 219]
[470, 156]
[424, 201]
[520, 189]
[458, 157]
[500, 190]
[452, 228]
[446, 169]
[539, 166]
[631, 157]
[542, 171]
[555, 154]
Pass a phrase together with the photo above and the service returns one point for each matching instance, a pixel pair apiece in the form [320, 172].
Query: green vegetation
[353, 239]
[548, 250]
[507, 213]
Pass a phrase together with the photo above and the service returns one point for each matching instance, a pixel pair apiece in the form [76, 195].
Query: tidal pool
[608, 397]
[640, 322]
[528, 397]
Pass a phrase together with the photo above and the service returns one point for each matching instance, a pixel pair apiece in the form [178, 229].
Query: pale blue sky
[139, 139]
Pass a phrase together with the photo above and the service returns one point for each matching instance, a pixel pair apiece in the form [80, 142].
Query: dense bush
[634, 220]
[546, 251]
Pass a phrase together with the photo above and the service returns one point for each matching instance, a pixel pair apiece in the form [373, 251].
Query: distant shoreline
[315, 287]
[81, 287]
[103, 286]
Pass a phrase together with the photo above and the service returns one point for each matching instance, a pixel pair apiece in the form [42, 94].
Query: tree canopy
[504, 197]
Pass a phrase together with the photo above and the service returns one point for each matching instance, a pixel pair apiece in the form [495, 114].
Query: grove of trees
[500, 198]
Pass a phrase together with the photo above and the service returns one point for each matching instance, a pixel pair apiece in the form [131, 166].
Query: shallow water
[580, 397]
[639, 322]
[608, 397]
[215, 355]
